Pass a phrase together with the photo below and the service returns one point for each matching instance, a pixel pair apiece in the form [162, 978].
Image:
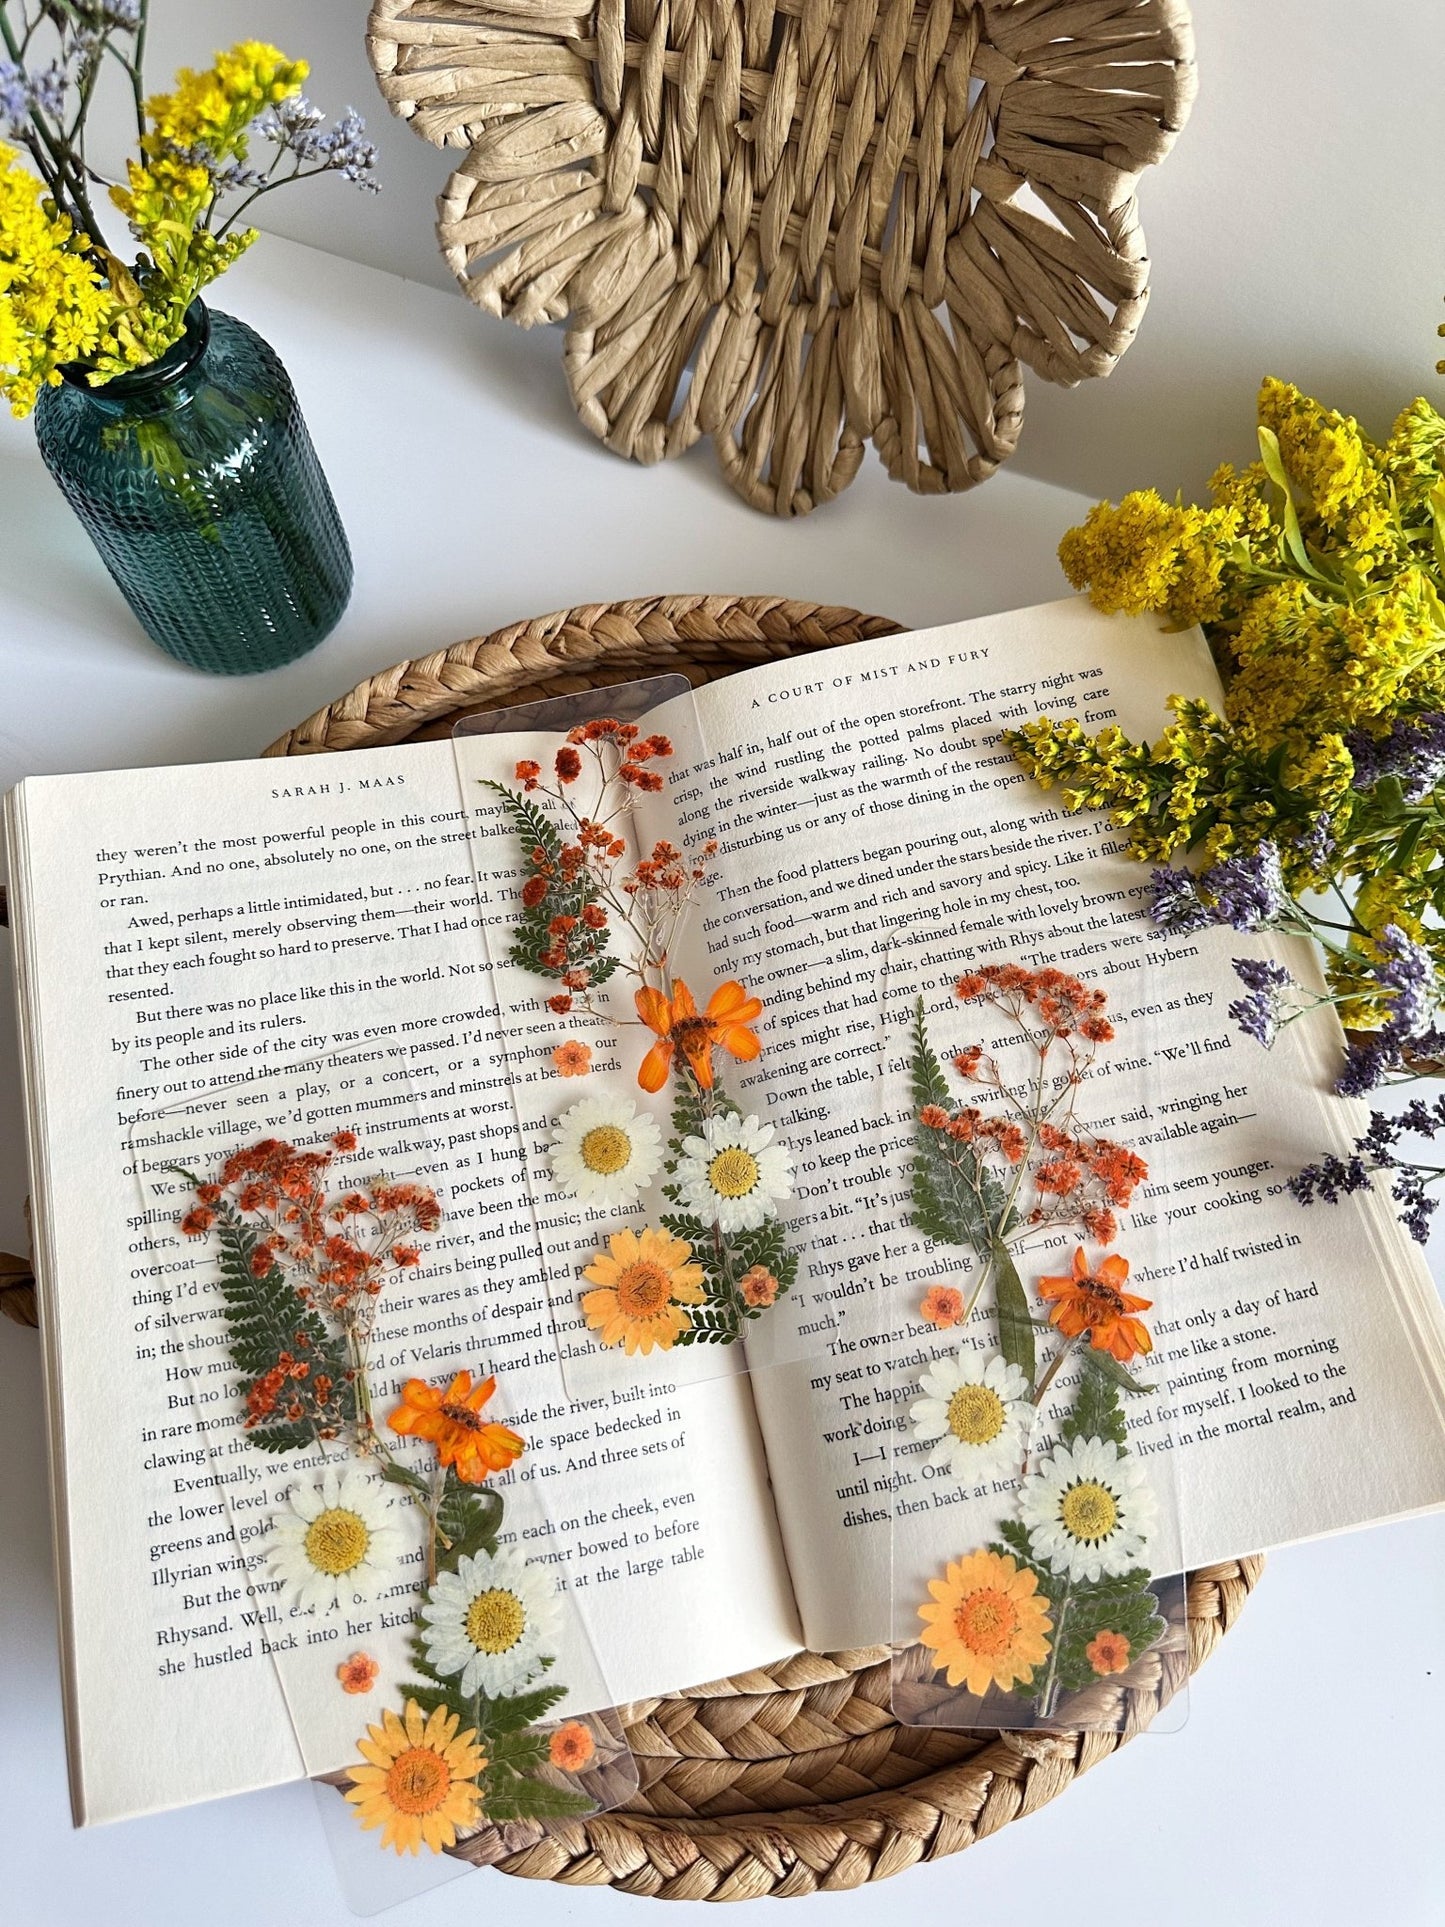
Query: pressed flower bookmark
[381, 1534]
[664, 1185]
[1032, 1499]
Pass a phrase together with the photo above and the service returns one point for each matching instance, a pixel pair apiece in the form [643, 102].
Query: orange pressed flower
[358, 1674]
[644, 1280]
[758, 1286]
[1108, 1653]
[942, 1306]
[451, 1419]
[680, 1025]
[572, 1059]
[572, 1747]
[1095, 1302]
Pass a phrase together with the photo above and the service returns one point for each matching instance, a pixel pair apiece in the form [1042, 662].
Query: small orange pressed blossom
[358, 1674]
[451, 1419]
[572, 1747]
[680, 1025]
[1095, 1302]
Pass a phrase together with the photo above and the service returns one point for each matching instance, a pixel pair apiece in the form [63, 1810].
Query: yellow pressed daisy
[988, 1625]
[644, 1280]
[419, 1785]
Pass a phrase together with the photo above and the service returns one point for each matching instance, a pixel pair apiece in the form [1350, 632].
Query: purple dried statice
[1331, 1179]
[1378, 1149]
[1243, 892]
[23, 93]
[1405, 971]
[1175, 904]
[341, 149]
[14, 100]
[1248, 892]
[1260, 1014]
[1413, 751]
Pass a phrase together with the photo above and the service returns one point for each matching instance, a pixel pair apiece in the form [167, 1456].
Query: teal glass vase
[196, 480]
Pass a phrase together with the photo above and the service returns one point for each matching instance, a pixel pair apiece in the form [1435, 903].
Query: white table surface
[1307, 1784]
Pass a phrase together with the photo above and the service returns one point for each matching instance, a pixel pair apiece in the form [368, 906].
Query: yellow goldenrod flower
[1324, 452]
[193, 131]
[53, 305]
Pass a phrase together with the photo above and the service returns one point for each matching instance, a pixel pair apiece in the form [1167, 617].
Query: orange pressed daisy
[942, 1306]
[680, 1025]
[572, 1059]
[988, 1624]
[451, 1419]
[572, 1747]
[419, 1783]
[644, 1280]
[1095, 1302]
[358, 1674]
[1108, 1653]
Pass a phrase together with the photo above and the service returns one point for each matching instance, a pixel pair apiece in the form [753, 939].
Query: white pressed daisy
[489, 1621]
[605, 1152]
[334, 1541]
[733, 1174]
[976, 1413]
[1088, 1510]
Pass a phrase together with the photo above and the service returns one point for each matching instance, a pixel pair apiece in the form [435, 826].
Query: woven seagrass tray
[796, 226]
[795, 1778]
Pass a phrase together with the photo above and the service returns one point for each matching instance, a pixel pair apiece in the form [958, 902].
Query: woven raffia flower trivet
[800, 225]
[796, 1777]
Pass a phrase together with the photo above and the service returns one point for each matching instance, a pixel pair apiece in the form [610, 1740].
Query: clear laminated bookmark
[656, 1112]
[1028, 1469]
[381, 1562]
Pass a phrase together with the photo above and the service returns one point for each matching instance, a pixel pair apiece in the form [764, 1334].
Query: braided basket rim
[729, 1738]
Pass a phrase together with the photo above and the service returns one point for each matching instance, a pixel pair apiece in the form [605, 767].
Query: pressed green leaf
[468, 1520]
[1116, 1373]
[1097, 1413]
[513, 1799]
[1131, 1613]
[523, 1709]
[1015, 1325]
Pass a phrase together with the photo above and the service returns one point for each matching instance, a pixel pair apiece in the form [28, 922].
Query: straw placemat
[795, 1778]
[797, 226]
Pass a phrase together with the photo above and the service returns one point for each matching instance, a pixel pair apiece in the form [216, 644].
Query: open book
[852, 790]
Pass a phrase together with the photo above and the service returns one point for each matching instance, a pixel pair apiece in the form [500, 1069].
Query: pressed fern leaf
[264, 1318]
[956, 1201]
[532, 937]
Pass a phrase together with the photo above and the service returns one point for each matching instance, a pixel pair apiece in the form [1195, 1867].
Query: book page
[867, 809]
[180, 930]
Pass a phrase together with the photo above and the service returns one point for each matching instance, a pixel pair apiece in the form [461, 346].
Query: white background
[1295, 226]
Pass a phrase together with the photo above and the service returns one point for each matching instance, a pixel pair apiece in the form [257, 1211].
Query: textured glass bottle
[196, 480]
